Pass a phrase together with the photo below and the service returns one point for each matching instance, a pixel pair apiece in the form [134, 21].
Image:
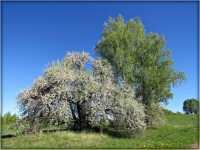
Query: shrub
[155, 115]
[179, 113]
[168, 112]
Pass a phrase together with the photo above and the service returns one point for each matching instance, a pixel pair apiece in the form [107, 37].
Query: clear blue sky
[36, 33]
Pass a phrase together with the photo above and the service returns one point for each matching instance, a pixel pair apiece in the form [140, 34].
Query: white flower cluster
[67, 89]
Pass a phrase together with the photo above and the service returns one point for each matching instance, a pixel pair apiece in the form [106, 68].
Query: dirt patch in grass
[195, 146]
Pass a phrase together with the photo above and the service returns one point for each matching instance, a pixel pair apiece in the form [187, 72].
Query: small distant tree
[68, 92]
[191, 106]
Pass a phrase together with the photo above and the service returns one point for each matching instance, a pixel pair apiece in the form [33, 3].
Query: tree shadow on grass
[105, 130]
[8, 136]
[53, 130]
[113, 133]
[23, 133]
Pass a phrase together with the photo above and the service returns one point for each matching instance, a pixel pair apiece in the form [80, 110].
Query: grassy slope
[180, 131]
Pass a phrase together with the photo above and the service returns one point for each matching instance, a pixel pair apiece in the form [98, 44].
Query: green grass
[5, 130]
[180, 131]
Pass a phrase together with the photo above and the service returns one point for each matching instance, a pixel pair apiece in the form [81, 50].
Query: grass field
[180, 131]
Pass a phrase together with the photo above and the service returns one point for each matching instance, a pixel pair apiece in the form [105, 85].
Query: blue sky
[37, 33]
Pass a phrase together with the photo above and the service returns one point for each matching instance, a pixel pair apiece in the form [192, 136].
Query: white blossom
[67, 89]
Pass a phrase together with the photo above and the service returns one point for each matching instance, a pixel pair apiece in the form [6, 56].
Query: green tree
[191, 106]
[139, 59]
[118, 44]
[7, 119]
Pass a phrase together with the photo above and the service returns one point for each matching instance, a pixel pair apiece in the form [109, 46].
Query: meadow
[180, 131]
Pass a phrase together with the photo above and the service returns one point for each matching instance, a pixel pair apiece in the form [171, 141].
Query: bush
[168, 112]
[129, 115]
[154, 115]
[179, 113]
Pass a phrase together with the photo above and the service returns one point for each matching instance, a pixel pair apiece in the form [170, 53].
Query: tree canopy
[66, 90]
[191, 106]
[139, 58]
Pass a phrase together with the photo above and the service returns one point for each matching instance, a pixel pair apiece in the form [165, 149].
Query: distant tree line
[169, 112]
[8, 119]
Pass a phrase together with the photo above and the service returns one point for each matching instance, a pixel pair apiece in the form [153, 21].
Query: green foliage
[191, 106]
[154, 115]
[179, 113]
[118, 41]
[139, 59]
[168, 112]
[8, 119]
